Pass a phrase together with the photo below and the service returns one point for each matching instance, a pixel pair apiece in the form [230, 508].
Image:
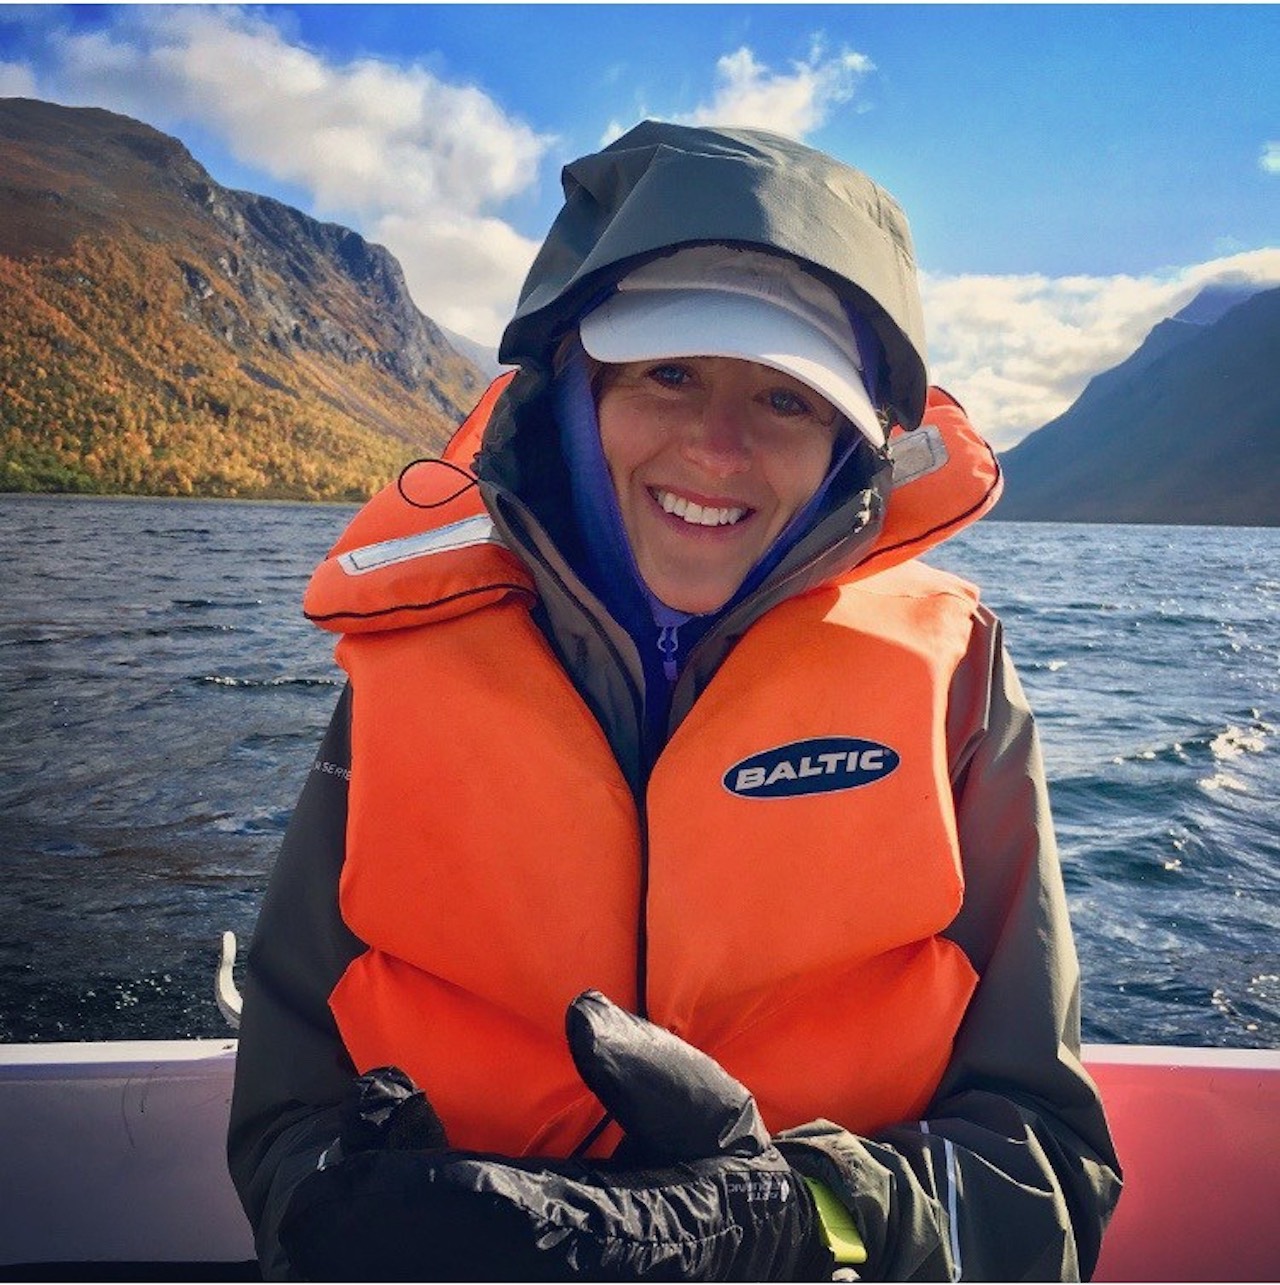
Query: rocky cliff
[162, 334]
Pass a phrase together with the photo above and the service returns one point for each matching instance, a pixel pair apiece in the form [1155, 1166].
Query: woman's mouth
[705, 515]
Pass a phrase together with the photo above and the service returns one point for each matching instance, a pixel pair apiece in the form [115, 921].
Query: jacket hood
[661, 186]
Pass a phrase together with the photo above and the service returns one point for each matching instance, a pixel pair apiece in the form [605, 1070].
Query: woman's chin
[692, 599]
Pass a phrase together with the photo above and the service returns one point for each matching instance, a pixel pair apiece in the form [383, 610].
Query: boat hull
[115, 1153]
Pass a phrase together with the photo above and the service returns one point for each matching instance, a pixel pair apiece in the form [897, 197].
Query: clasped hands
[697, 1191]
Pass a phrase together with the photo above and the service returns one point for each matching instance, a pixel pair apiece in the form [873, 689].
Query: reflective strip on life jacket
[424, 549]
[946, 476]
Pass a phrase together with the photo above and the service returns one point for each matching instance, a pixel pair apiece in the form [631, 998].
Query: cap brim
[644, 325]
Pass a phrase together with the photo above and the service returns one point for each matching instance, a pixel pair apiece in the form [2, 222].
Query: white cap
[720, 301]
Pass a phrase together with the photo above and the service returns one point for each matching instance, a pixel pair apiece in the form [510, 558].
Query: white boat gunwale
[115, 1153]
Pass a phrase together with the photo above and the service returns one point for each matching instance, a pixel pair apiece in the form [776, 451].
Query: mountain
[484, 358]
[1214, 301]
[161, 334]
[1185, 431]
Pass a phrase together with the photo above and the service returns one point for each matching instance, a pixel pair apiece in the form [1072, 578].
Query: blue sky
[1072, 173]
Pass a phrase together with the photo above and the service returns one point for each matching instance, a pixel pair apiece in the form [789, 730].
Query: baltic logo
[819, 766]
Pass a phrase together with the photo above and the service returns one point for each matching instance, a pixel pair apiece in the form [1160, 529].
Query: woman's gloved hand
[697, 1191]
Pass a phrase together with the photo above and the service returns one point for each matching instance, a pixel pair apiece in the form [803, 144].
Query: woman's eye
[782, 401]
[669, 375]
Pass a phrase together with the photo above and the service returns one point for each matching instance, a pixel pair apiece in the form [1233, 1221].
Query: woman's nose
[718, 439]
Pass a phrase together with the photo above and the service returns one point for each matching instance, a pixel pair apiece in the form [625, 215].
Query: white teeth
[696, 514]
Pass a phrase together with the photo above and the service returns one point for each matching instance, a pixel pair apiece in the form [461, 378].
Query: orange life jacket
[778, 901]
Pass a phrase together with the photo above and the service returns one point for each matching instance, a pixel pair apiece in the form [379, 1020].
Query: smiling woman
[742, 951]
[710, 458]
[713, 453]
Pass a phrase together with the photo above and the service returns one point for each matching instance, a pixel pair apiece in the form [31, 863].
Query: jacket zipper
[669, 646]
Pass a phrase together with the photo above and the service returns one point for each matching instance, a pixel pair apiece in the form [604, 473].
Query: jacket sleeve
[1012, 1175]
[292, 1069]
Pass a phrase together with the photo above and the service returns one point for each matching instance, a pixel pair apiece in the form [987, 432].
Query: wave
[217, 604]
[1235, 741]
[1230, 746]
[227, 680]
[1251, 735]
[264, 820]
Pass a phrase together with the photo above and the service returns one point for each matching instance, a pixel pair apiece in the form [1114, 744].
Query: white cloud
[615, 129]
[414, 162]
[475, 264]
[423, 166]
[1018, 350]
[1269, 160]
[419, 164]
[749, 94]
[17, 80]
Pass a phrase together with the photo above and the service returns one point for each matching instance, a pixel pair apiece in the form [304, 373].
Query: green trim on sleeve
[838, 1228]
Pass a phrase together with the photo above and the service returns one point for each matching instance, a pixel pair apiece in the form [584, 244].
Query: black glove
[696, 1192]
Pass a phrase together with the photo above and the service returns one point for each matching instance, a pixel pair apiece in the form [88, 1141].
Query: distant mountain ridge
[484, 358]
[1215, 301]
[1184, 431]
[162, 334]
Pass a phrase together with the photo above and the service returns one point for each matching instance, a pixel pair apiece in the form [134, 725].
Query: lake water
[161, 698]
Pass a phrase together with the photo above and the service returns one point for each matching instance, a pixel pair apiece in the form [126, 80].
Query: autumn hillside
[163, 335]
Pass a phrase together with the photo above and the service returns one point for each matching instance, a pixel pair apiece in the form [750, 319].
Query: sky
[1072, 173]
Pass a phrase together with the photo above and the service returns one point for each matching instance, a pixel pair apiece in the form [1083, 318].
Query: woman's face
[710, 458]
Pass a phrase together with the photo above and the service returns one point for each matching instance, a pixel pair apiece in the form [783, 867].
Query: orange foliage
[116, 377]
